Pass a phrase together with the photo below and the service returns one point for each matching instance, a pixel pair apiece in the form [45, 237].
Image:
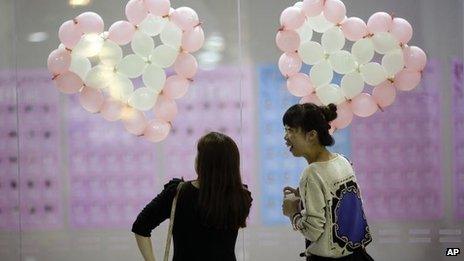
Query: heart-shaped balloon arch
[107, 86]
[400, 67]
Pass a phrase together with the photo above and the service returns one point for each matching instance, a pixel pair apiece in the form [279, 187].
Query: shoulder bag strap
[171, 223]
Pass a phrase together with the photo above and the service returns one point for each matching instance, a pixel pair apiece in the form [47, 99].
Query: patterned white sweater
[332, 217]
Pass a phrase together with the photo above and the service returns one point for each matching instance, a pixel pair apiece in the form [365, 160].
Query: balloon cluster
[400, 67]
[108, 86]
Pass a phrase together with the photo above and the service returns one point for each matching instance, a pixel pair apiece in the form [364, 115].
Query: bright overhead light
[215, 42]
[79, 2]
[37, 37]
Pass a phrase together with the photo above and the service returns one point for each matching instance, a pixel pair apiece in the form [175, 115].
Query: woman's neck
[318, 154]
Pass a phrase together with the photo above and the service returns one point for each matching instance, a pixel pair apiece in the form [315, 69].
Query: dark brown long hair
[223, 200]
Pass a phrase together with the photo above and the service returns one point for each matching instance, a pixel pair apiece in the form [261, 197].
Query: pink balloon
[289, 64]
[354, 28]
[91, 99]
[158, 7]
[175, 87]
[134, 121]
[384, 94]
[407, 80]
[68, 82]
[414, 58]
[401, 29]
[136, 11]
[165, 108]
[185, 17]
[312, 7]
[69, 33]
[90, 22]
[344, 116]
[288, 40]
[111, 109]
[192, 40]
[334, 11]
[292, 18]
[379, 22]
[363, 105]
[157, 130]
[186, 65]
[312, 98]
[121, 32]
[300, 85]
[59, 61]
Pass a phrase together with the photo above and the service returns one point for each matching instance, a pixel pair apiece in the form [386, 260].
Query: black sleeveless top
[192, 240]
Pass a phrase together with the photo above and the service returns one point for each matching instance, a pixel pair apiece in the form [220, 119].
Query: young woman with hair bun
[326, 207]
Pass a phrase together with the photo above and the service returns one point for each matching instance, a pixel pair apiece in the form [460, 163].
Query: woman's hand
[290, 190]
[290, 206]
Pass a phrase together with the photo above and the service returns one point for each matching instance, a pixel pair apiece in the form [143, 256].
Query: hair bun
[330, 112]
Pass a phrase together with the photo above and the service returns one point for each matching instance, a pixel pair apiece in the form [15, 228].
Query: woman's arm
[311, 221]
[144, 244]
[151, 216]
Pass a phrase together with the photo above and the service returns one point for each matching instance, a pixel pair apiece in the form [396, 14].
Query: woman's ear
[311, 136]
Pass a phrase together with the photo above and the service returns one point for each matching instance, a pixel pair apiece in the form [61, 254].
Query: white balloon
[132, 66]
[363, 50]
[352, 84]
[342, 62]
[104, 35]
[142, 44]
[330, 93]
[298, 4]
[164, 56]
[153, 25]
[99, 77]
[333, 40]
[121, 88]
[306, 32]
[143, 99]
[154, 77]
[171, 35]
[319, 23]
[110, 54]
[373, 73]
[80, 65]
[385, 42]
[321, 73]
[89, 45]
[393, 62]
[311, 52]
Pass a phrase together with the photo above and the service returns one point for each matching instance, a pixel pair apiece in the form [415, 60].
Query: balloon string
[368, 35]
[380, 108]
